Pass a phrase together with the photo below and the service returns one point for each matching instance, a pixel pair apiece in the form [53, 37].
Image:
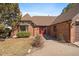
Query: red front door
[42, 31]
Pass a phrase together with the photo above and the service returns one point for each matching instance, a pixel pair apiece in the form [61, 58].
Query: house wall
[50, 31]
[33, 30]
[65, 31]
[77, 33]
[36, 31]
[62, 31]
[73, 33]
[30, 29]
[75, 29]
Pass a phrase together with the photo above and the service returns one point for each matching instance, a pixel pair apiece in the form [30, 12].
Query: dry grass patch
[15, 46]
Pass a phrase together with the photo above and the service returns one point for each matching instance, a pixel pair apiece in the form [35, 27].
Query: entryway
[42, 31]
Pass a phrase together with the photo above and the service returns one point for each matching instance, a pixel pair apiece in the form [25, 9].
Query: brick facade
[61, 31]
[33, 30]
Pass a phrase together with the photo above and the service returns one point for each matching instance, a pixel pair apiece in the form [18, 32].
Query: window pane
[23, 28]
[77, 23]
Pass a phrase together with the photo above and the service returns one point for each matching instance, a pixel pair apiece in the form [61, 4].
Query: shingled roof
[26, 17]
[39, 20]
[68, 15]
[43, 20]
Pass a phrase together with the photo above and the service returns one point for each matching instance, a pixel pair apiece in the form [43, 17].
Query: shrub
[37, 42]
[37, 37]
[7, 30]
[23, 34]
[2, 26]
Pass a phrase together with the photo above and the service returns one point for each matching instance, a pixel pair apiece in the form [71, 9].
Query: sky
[42, 9]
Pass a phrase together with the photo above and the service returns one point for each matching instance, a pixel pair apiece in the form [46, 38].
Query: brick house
[34, 25]
[66, 25]
[63, 27]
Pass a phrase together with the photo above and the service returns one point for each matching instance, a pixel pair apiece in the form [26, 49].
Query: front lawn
[17, 46]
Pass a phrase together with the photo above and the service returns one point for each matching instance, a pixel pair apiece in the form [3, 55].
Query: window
[77, 23]
[24, 28]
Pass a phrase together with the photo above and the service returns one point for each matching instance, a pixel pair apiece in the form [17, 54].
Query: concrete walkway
[54, 48]
[76, 43]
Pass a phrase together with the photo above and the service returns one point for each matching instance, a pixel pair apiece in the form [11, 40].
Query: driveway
[54, 48]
